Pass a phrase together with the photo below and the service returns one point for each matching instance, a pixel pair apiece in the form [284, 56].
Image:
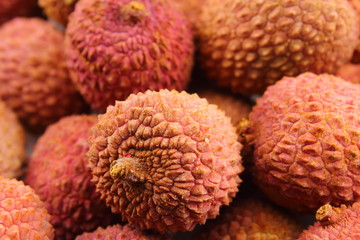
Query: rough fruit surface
[118, 232]
[350, 72]
[251, 219]
[22, 214]
[165, 160]
[192, 9]
[58, 9]
[144, 44]
[335, 224]
[236, 109]
[247, 45]
[57, 171]
[12, 143]
[13, 8]
[306, 132]
[34, 79]
[356, 55]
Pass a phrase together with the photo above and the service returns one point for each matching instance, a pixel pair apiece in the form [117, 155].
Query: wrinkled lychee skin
[34, 79]
[235, 108]
[306, 132]
[192, 9]
[251, 219]
[247, 45]
[13, 8]
[346, 226]
[178, 158]
[58, 9]
[143, 45]
[350, 72]
[22, 214]
[57, 171]
[12, 144]
[118, 232]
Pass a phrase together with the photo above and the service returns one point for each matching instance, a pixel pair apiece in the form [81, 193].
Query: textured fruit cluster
[180, 119]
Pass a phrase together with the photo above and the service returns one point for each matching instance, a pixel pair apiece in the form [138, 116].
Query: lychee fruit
[57, 171]
[306, 131]
[12, 144]
[235, 108]
[350, 72]
[58, 10]
[22, 214]
[249, 219]
[118, 232]
[119, 47]
[192, 9]
[356, 55]
[34, 79]
[335, 224]
[13, 8]
[247, 45]
[165, 160]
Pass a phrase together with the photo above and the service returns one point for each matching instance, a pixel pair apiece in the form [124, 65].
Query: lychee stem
[328, 215]
[127, 168]
[133, 11]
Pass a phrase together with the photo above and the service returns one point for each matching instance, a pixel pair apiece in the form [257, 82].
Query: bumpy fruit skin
[22, 214]
[306, 132]
[251, 219]
[13, 8]
[118, 232]
[335, 224]
[58, 9]
[350, 72]
[12, 144]
[247, 45]
[234, 108]
[192, 9]
[356, 55]
[173, 160]
[144, 44]
[57, 171]
[34, 79]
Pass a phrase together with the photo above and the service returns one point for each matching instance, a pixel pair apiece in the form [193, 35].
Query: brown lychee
[57, 171]
[165, 160]
[251, 219]
[34, 79]
[119, 47]
[335, 224]
[350, 72]
[247, 45]
[12, 143]
[306, 132]
[118, 232]
[58, 9]
[22, 214]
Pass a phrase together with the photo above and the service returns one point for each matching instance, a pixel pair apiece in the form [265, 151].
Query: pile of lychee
[180, 119]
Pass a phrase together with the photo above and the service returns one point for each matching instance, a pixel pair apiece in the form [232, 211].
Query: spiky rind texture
[306, 132]
[350, 72]
[57, 171]
[346, 227]
[58, 9]
[144, 45]
[13, 8]
[118, 232]
[247, 45]
[12, 143]
[22, 214]
[235, 108]
[33, 75]
[186, 154]
[251, 219]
